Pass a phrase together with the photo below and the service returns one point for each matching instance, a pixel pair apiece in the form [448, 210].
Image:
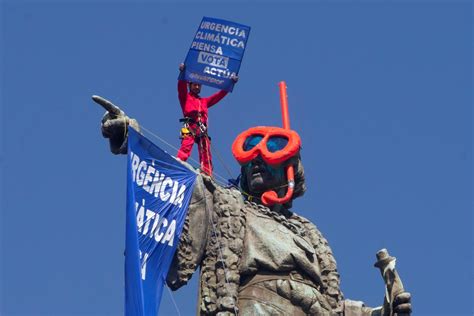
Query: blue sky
[380, 93]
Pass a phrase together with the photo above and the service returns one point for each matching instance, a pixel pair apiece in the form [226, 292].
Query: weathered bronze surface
[256, 260]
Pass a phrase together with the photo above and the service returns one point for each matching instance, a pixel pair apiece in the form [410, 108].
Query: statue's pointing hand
[114, 125]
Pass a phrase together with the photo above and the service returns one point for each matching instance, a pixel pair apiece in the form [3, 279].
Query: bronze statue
[254, 259]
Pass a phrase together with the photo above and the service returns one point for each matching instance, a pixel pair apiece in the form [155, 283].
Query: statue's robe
[256, 262]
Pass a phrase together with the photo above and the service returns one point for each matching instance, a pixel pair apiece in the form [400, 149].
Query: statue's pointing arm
[191, 248]
[114, 125]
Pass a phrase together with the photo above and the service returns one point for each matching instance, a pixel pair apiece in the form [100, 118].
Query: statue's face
[261, 177]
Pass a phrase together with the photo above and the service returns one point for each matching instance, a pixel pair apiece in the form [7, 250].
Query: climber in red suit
[194, 130]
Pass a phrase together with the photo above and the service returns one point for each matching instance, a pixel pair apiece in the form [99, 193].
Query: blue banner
[159, 190]
[216, 53]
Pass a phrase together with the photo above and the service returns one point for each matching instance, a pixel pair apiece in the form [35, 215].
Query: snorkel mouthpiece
[270, 198]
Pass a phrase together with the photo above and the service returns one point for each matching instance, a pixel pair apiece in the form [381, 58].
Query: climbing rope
[216, 176]
[221, 256]
[196, 164]
[173, 300]
[219, 157]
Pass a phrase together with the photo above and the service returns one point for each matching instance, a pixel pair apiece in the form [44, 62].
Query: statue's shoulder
[224, 192]
[319, 242]
[310, 226]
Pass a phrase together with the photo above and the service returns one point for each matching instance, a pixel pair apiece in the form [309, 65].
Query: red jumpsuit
[196, 108]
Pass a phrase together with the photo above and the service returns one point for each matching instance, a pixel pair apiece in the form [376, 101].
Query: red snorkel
[270, 198]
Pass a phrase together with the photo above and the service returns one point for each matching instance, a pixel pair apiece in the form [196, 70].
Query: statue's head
[265, 154]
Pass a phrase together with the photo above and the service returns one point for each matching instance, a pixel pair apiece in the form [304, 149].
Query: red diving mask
[275, 145]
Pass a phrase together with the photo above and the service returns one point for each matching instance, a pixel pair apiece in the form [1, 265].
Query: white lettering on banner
[211, 37]
[155, 182]
[180, 195]
[149, 216]
[161, 229]
[141, 173]
[196, 76]
[148, 178]
[220, 39]
[144, 259]
[164, 196]
[135, 162]
[232, 42]
[218, 72]
[140, 216]
[213, 60]
[159, 233]
[231, 30]
[207, 47]
[174, 192]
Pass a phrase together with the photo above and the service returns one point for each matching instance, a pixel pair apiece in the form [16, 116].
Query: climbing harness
[186, 129]
[199, 130]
